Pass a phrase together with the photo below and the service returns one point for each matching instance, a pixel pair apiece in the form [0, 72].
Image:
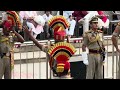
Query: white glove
[85, 58]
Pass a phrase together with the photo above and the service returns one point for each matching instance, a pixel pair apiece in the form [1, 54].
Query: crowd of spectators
[79, 22]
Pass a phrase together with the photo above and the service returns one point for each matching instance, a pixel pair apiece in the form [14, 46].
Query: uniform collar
[94, 31]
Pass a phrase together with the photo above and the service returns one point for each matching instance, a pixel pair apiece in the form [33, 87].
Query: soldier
[60, 52]
[114, 38]
[14, 19]
[7, 39]
[92, 39]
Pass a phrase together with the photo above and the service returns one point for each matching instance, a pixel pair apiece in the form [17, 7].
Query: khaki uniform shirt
[8, 47]
[117, 30]
[90, 39]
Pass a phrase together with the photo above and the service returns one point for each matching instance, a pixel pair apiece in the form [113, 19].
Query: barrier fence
[31, 62]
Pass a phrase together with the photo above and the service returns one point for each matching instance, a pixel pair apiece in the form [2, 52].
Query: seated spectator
[85, 20]
[70, 30]
[103, 22]
[47, 31]
[66, 14]
[33, 21]
[78, 15]
[114, 15]
[118, 14]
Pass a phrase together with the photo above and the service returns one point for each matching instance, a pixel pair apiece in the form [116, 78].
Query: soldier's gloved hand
[85, 58]
[105, 59]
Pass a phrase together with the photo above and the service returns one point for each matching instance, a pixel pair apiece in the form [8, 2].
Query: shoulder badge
[88, 32]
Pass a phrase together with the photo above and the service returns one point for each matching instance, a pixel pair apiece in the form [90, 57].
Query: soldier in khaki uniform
[59, 53]
[114, 38]
[92, 39]
[7, 40]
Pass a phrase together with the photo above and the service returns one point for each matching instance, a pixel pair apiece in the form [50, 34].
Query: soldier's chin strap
[85, 58]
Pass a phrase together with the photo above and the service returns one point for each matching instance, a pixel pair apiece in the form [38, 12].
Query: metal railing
[31, 63]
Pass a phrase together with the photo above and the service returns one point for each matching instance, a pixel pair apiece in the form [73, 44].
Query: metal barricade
[31, 62]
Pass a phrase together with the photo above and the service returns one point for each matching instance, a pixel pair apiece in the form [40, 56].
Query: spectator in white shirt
[66, 14]
[85, 20]
[47, 16]
[70, 30]
[34, 22]
[103, 21]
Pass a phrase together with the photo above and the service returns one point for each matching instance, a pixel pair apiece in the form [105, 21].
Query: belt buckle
[97, 51]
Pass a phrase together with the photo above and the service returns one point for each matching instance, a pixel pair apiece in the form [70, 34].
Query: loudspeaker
[78, 70]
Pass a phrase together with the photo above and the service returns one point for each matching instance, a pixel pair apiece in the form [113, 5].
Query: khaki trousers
[118, 73]
[95, 67]
[5, 69]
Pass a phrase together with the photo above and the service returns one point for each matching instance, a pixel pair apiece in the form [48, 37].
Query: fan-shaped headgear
[58, 24]
[13, 17]
[61, 52]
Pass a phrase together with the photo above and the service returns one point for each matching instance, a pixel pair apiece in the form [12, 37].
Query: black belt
[95, 51]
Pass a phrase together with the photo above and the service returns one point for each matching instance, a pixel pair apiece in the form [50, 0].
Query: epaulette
[89, 31]
[86, 33]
